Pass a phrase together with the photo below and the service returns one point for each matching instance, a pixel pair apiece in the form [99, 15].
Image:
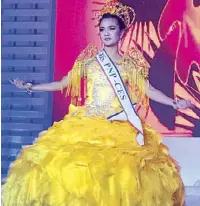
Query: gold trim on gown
[86, 160]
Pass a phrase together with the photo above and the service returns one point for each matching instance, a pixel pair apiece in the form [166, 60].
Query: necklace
[119, 62]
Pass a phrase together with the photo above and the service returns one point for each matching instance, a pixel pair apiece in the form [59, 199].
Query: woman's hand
[183, 104]
[20, 84]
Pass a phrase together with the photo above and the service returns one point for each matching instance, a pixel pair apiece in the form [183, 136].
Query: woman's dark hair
[113, 16]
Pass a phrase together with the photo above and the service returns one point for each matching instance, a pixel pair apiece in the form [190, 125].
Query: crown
[124, 12]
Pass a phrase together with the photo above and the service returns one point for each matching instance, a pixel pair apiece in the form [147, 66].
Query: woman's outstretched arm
[158, 96]
[50, 87]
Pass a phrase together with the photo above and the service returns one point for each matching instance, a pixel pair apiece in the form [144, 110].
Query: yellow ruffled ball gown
[87, 160]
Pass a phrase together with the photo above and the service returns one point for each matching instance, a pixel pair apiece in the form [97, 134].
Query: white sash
[118, 86]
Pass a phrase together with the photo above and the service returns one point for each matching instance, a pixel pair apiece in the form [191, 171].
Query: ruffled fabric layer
[83, 161]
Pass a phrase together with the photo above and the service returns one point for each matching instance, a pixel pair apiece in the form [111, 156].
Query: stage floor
[193, 196]
[186, 152]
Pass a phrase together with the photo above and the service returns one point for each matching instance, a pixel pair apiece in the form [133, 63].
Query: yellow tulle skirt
[83, 161]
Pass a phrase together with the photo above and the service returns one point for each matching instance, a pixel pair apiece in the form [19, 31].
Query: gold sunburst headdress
[124, 12]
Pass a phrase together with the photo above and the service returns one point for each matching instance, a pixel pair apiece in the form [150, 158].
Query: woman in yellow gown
[88, 160]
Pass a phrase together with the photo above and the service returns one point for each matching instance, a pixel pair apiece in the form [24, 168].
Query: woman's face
[110, 32]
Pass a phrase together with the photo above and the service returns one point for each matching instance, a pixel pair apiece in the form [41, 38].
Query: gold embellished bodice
[101, 99]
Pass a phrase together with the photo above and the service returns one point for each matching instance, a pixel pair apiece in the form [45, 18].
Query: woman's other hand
[20, 84]
[183, 104]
